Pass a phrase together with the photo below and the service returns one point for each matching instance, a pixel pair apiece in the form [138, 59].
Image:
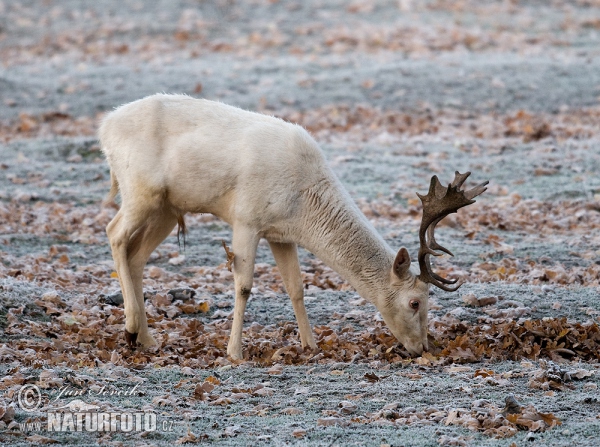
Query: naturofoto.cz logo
[101, 422]
[78, 416]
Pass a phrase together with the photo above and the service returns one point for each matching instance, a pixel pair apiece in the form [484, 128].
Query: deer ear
[401, 263]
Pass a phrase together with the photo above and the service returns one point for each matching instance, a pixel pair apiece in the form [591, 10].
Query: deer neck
[335, 230]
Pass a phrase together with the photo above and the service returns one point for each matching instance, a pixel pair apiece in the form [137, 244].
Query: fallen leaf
[232, 430]
[40, 440]
[275, 370]
[372, 377]
[189, 438]
[291, 411]
[347, 407]
[330, 421]
[299, 433]
[213, 380]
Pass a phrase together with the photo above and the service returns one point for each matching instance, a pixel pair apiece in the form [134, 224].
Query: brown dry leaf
[492, 421]
[472, 300]
[186, 370]
[230, 256]
[231, 430]
[49, 379]
[203, 306]
[512, 406]
[165, 401]
[454, 369]
[201, 391]
[8, 413]
[213, 380]
[453, 417]
[299, 433]
[372, 377]
[413, 376]
[581, 374]
[502, 432]
[451, 441]
[291, 411]
[206, 387]
[426, 359]
[115, 357]
[265, 391]
[275, 370]
[347, 407]
[221, 401]
[8, 381]
[188, 308]
[40, 440]
[330, 421]
[191, 438]
[545, 171]
[532, 420]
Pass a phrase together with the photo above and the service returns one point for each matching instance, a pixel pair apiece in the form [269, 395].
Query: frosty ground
[394, 92]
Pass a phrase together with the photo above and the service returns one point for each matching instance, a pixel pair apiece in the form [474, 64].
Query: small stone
[114, 299]
[182, 294]
[75, 158]
[177, 260]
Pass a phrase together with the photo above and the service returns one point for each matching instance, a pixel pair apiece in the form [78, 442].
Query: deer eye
[414, 304]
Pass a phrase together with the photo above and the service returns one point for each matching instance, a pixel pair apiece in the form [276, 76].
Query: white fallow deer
[173, 154]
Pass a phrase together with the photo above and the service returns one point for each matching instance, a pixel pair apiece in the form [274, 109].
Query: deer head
[406, 312]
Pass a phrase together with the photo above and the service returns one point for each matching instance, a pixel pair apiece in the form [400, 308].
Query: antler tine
[474, 192]
[437, 279]
[437, 204]
[431, 238]
[459, 178]
[448, 289]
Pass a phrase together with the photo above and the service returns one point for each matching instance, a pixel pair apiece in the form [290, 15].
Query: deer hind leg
[129, 226]
[245, 241]
[141, 246]
[286, 257]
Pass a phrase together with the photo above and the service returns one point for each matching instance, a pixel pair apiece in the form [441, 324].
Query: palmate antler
[437, 204]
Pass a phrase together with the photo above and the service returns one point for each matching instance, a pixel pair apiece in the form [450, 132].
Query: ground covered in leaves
[394, 92]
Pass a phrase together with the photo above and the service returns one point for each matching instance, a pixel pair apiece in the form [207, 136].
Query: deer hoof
[131, 339]
[146, 340]
[235, 354]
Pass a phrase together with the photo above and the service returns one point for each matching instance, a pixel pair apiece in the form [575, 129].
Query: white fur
[172, 154]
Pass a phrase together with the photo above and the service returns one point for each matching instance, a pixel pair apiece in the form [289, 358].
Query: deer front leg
[245, 241]
[286, 257]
